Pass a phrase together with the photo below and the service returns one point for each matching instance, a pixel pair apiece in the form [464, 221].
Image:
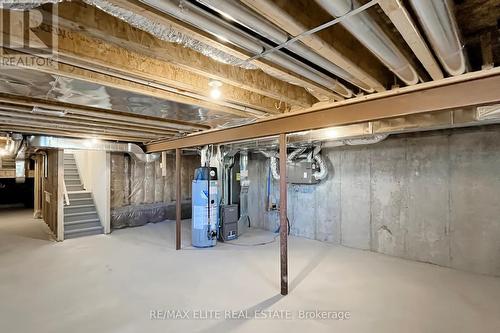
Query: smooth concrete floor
[111, 283]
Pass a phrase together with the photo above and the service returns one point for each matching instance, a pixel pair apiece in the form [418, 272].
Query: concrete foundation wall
[430, 196]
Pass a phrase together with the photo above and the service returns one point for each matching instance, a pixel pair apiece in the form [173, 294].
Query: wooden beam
[441, 95]
[401, 19]
[283, 217]
[89, 20]
[204, 37]
[334, 44]
[178, 199]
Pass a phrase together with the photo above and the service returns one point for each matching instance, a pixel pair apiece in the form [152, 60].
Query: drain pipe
[371, 35]
[133, 150]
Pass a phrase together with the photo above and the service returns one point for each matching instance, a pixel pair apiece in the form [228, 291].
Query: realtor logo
[28, 32]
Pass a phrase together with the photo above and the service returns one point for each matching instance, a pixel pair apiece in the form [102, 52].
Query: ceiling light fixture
[215, 92]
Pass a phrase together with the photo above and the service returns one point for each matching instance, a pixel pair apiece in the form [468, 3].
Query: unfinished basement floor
[111, 283]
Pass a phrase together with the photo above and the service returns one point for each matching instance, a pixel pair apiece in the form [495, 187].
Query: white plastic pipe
[216, 27]
[371, 35]
[235, 11]
[440, 27]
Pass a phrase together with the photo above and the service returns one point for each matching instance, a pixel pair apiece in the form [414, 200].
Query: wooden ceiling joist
[334, 44]
[467, 90]
[401, 19]
[204, 37]
[96, 53]
[89, 20]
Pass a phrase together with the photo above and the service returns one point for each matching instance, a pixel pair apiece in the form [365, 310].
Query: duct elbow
[274, 168]
[295, 153]
[322, 173]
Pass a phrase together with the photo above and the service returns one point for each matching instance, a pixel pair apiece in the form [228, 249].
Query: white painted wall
[94, 168]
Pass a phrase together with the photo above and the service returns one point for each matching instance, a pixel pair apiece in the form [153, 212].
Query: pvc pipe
[193, 15]
[440, 28]
[246, 17]
[371, 35]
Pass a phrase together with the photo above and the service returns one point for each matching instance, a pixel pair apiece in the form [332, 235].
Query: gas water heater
[205, 214]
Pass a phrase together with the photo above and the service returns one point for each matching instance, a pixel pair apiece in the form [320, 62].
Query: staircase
[80, 216]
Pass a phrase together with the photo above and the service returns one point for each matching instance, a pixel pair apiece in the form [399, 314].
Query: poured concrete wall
[430, 196]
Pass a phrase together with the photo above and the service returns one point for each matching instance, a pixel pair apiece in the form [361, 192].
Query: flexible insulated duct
[246, 17]
[321, 174]
[295, 153]
[439, 24]
[371, 35]
[25, 4]
[195, 16]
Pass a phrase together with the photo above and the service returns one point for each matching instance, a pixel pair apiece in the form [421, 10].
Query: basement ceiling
[154, 63]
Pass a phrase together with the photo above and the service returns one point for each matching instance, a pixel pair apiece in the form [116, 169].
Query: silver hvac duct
[167, 33]
[244, 185]
[12, 147]
[205, 156]
[89, 144]
[21, 165]
[295, 153]
[371, 35]
[195, 16]
[246, 17]
[440, 27]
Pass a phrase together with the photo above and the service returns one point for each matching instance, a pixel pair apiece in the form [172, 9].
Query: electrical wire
[255, 244]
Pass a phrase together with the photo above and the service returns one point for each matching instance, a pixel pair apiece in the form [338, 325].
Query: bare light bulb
[215, 93]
